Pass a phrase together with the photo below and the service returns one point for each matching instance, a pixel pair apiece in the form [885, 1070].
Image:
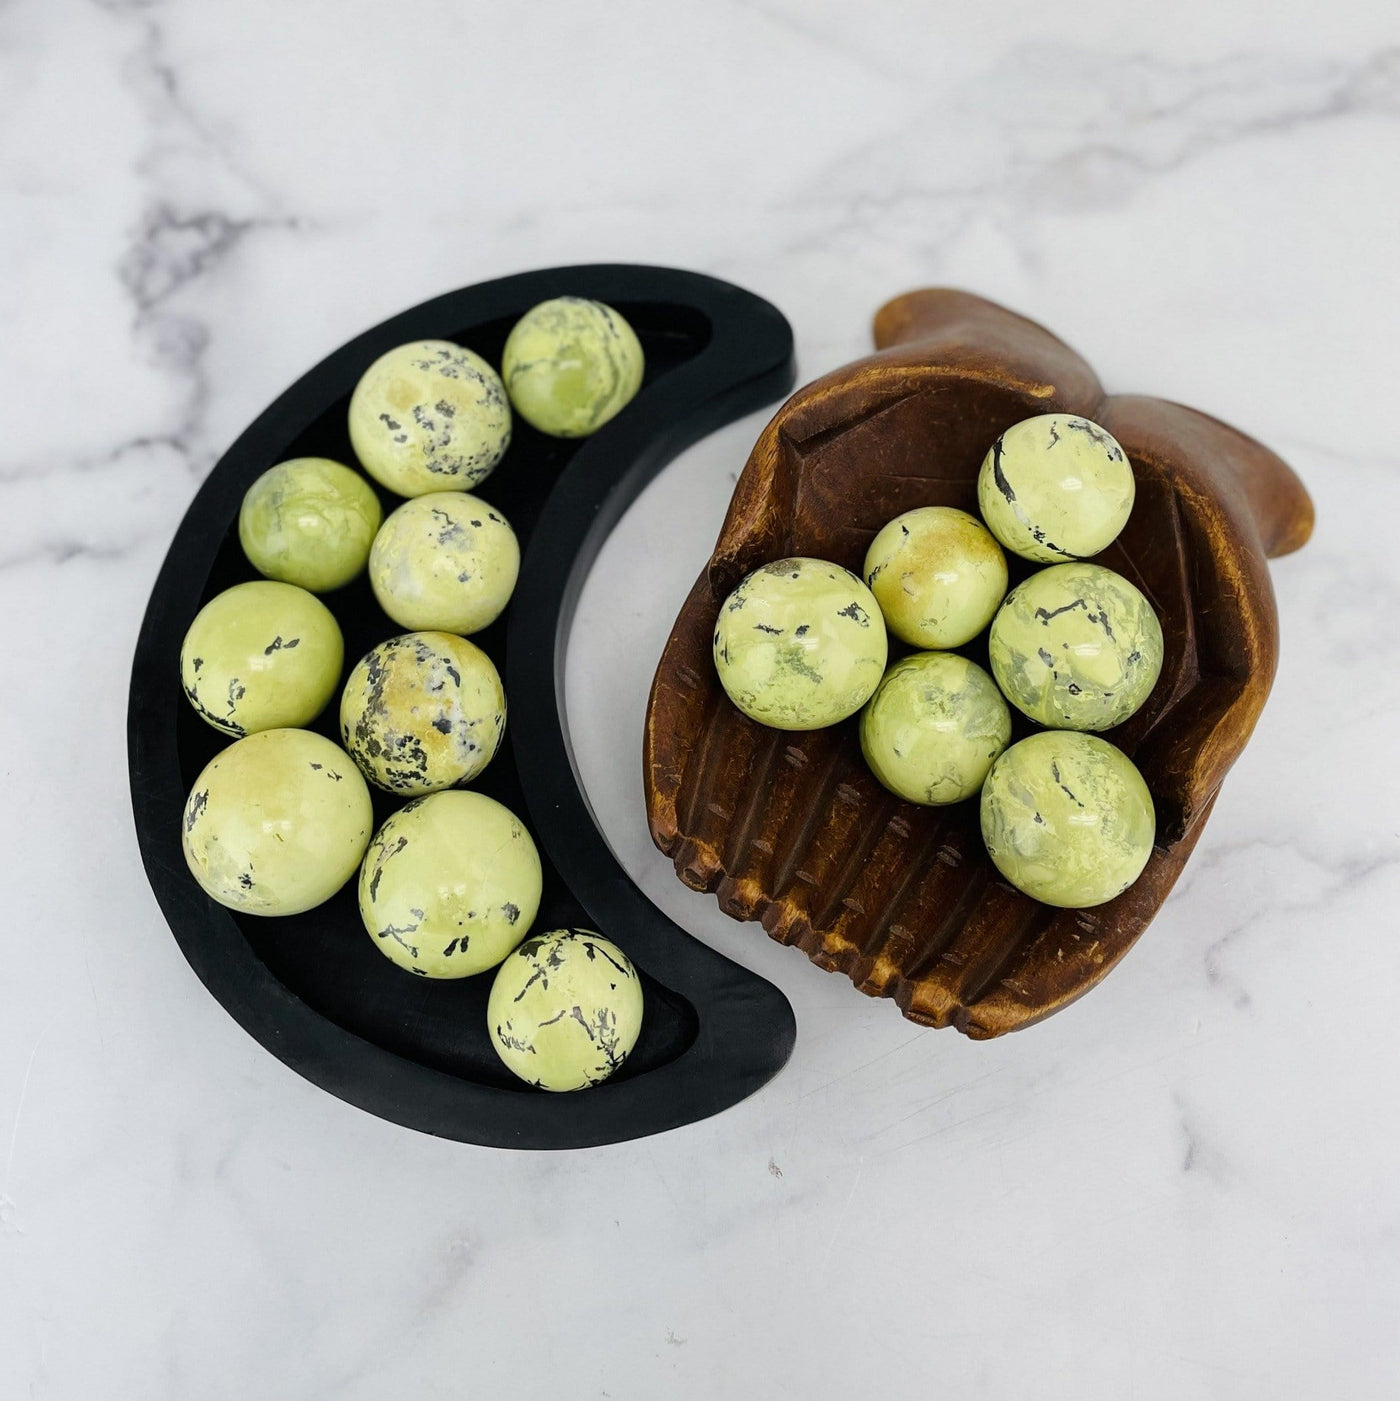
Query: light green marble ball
[934, 727]
[1067, 819]
[1076, 647]
[565, 1009]
[938, 576]
[276, 823]
[800, 644]
[429, 416]
[1055, 487]
[444, 562]
[570, 365]
[423, 712]
[450, 885]
[309, 521]
[261, 656]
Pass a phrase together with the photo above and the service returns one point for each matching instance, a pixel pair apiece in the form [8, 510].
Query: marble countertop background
[1183, 1187]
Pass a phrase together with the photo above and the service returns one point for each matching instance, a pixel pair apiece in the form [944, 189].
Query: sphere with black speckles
[309, 521]
[570, 365]
[276, 823]
[934, 727]
[565, 1009]
[261, 656]
[1076, 647]
[1056, 487]
[450, 885]
[423, 712]
[800, 644]
[444, 562]
[1067, 819]
[429, 416]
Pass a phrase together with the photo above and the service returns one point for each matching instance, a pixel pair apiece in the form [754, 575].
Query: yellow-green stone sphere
[938, 576]
[276, 823]
[565, 1009]
[261, 656]
[1076, 647]
[309, 521]
[570, 365]
[1056, 487]
[1067, 819]
[444, 562]
[450, 885]
[429, 416]
[423, 712]
[800, 644]
[933, 729]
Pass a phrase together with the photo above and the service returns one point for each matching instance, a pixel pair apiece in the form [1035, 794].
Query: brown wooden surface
[792, 830]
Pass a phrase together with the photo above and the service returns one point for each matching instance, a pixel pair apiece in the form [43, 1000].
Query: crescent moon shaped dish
[312, 987]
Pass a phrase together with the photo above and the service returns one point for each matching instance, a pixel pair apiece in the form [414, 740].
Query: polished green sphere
[938, 576]
[1067, 819]
[309, 521]
[570, 365]
[565, 1009]
[445, 562]
[1056, 487]
[450, 885]
[934, 727]
[261, 656]
[276, 823]
[800, 644]
[423, 712]
[1076, 647]
[429, 416]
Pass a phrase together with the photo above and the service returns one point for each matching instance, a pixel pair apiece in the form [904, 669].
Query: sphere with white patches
[450, 885]
[800, 644]
[423, 712]
[276, 823]
[309, 521]
[934, 728]
[1056, 487]
[570, 365]
[1067, 819]
[261, 656]
[429, 416]
[444, 562]
[565, 1009]
[938, 576]
[1076, 647]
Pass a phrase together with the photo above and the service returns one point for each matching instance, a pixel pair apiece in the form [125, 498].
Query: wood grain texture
[793, 831]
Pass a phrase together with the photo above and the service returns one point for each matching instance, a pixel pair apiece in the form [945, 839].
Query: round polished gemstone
[1067, 818]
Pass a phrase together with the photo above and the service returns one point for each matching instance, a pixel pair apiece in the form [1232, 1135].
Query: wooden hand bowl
[793, 830]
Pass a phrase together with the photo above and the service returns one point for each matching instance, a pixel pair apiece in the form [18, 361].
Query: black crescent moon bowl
[312, 988]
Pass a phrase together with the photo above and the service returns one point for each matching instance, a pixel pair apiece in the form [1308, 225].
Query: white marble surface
[1183, 1187]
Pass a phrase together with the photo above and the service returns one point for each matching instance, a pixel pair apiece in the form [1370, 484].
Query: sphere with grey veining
[1067, 819]
[276, 823]
[261, 656]
[429, 416]
[309, 521]
[934, 727]
[444, 562]
[1076, 647]
[570, 365]
[423, 712]
[800, 644]
[938, 576]
[1056, 487]
[565, 1009]
[450, 885]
